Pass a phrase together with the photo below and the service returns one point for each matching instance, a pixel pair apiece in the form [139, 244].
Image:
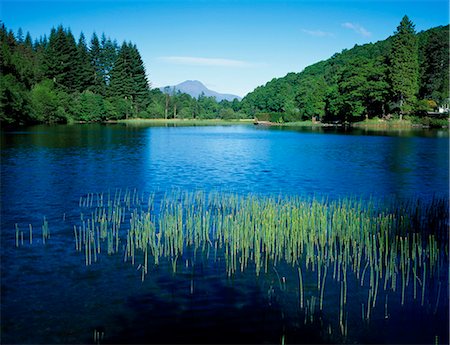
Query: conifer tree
[128, 79]
[85, 69]
[95, 53]
[404, 65]
[20, 36]
[140, 82]
[108, 57]
[61, 59]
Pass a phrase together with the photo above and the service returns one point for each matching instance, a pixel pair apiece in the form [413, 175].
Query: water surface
[49, 296]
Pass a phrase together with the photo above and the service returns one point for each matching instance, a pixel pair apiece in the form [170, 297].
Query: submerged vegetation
[391, 249]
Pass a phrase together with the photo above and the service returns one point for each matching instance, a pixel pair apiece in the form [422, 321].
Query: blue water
[63, 161]
[48, 296]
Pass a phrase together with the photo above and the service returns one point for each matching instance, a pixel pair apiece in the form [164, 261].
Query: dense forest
[61, 79]
[407, 73]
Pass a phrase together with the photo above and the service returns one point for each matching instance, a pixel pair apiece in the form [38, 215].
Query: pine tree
[61, 59]
[40, 48]
[128, 79]
[140, 82]
[20, 36]
[121, 84]
[108, 57]
[95, 53]
[404, 65]
[85, 69]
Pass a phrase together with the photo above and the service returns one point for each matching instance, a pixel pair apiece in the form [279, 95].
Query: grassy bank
[407, 122]
[307, 123]
[185, 122]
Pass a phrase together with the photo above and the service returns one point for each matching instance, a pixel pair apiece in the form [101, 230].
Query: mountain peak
[195, 88]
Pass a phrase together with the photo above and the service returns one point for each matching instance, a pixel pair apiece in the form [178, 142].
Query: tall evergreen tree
[85, 69]
[95, 53]
[140, 81]
[108, 57]
[61, 59]
[20, 36]
[128, 79]
[28, 41]
[121, 81]
[404, 65]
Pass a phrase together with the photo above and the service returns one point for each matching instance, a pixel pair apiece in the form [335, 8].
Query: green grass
[407, 122]
[185, 122]
[384, 124]
[307, 123]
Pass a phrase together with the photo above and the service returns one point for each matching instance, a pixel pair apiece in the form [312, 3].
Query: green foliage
[432, 122]
[90, 107]
[119, 108]
[14, 101]
[85, 69]
[128, 79]
[59, 80]
[271, 117]
[95, 53]
[14, 84]
[46, 103]
[62, 60]
[370, 80]
[275, 96]
[311, 97]
[404, 65]
[227, 114]
[434, 64]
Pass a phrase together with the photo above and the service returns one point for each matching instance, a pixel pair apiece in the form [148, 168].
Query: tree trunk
[175, 111]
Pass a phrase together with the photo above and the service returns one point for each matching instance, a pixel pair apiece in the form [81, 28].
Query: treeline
[407, 73]
[181, 105]
[61, 79]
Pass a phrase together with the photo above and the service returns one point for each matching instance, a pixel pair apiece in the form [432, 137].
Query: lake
[51, 295]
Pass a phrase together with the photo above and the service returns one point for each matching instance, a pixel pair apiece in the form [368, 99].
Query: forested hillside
[61, 79]
[404, 74]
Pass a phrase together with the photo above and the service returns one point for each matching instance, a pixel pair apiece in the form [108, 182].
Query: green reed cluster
[19, 234]
[386, 245]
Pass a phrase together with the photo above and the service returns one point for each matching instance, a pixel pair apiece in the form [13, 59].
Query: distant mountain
[195, 88]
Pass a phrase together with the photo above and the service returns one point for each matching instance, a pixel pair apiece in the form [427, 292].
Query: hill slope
[354, 83]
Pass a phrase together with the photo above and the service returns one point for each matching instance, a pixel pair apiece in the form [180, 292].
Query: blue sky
[231, 46]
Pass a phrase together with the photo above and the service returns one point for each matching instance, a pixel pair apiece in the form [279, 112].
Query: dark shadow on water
[202, 318]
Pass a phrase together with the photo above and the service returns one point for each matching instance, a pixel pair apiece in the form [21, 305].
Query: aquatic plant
[380, 242]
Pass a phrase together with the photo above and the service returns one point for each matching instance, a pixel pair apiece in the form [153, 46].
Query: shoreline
[371, 124]
[200, 122]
